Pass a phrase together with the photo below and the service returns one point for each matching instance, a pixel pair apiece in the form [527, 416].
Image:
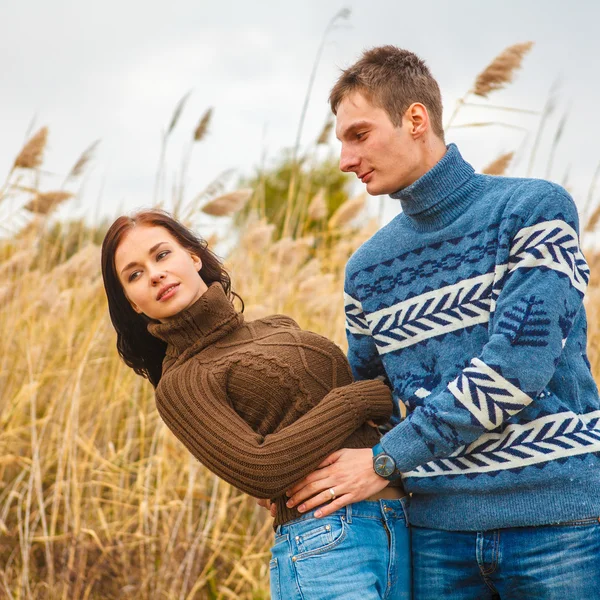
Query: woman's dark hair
[140, 350]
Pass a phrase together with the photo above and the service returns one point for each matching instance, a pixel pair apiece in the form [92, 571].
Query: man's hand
[267, 504]
[349, 472]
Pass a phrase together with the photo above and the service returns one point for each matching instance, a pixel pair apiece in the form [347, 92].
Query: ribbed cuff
[372, 398]
[406, 447]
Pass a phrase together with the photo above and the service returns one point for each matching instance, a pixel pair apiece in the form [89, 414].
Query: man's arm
[539, 296]
[364, 359]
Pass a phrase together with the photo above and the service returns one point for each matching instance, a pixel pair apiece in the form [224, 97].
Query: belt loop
[349, 513]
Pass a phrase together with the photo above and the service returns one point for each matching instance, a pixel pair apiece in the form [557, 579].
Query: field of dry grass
[97, 499]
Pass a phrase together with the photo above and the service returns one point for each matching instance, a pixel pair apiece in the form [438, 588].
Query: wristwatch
[383, 464]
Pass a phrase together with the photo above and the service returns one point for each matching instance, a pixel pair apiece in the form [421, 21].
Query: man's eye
[359, 136]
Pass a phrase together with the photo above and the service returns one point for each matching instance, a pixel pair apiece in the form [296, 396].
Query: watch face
[384, 465]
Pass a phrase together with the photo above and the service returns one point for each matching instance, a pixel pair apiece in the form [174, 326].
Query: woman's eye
[158, 257]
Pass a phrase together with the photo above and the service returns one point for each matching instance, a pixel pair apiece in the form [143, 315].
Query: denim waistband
[374, 509]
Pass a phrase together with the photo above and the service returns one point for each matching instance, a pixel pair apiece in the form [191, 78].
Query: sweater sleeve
[199, 414]
[537, 293]
[363, 357]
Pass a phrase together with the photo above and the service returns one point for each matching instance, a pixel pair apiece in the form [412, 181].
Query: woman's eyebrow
[134, 263]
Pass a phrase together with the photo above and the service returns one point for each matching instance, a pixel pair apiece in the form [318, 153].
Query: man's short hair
[392, 79]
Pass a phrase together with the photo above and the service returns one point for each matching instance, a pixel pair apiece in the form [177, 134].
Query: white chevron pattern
[489, 397]
[355, 318]
[431, 314]
[551, 244]
[545, 439]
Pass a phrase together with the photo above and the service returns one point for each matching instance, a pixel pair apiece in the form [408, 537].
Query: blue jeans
[553, 562]
[360, 551]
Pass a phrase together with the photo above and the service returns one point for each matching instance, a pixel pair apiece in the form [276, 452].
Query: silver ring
[332, 492]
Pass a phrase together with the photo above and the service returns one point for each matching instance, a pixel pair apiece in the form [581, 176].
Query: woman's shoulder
[282, 321]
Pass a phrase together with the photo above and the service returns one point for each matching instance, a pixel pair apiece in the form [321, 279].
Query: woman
[261, 404]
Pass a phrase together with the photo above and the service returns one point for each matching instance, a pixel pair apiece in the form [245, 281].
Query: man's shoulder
[525, 200]
[519, 191]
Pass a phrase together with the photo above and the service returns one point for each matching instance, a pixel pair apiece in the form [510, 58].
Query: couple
[467, 308]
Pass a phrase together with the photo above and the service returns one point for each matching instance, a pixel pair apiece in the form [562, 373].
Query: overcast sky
[115, 70]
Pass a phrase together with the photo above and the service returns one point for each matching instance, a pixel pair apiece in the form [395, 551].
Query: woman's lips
[170, 293]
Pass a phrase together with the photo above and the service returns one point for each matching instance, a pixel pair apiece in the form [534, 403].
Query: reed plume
[593, 220]
[317, 209]
[45, 202]
[501, 70]
[347, 212]
[32, 153]
[499, 166]
[83, 160]
[202, 127]
[177, 113]
[258, 235]
[228, 204]
[325, 132]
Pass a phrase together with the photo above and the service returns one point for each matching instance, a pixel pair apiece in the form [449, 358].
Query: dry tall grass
[97, 499]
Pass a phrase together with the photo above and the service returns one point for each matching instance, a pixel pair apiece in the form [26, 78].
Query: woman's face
[159, 276]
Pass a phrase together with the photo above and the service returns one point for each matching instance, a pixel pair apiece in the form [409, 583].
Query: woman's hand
[265, 503]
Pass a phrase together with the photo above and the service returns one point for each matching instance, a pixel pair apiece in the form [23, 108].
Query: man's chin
[377, 190]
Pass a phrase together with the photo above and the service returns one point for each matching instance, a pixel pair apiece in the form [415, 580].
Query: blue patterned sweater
[470, 303]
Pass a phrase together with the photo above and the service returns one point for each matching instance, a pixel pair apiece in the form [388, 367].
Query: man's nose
[348, 161]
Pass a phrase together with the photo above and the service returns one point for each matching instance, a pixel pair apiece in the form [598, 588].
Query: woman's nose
[157, 276]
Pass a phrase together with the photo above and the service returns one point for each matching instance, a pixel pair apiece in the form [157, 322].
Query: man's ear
[418, 117]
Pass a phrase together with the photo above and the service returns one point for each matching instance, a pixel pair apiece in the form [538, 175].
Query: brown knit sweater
[262, 403]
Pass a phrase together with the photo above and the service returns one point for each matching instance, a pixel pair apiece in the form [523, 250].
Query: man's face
[384, 157]
[159, 276]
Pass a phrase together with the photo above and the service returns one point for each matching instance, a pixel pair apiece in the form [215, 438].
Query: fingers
[336, 504]
[322, 498]
[330, 459]
[308, 491]
[265, 503]
[309, 480]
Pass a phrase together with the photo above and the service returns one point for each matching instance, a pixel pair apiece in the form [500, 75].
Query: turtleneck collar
[209, 319]
[437, 198]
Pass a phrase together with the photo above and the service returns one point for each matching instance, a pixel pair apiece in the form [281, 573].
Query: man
[470, 304]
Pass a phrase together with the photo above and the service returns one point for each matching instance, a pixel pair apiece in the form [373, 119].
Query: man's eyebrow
[134, 263]
[351, 128]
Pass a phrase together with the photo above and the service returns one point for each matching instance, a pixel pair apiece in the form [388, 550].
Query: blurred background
[217, 112]
[115, 72]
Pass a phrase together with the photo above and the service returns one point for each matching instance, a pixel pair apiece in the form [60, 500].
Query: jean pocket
[274, 579]
[318, 536]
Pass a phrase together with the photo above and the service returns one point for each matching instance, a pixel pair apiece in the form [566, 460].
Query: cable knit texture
[262, 403]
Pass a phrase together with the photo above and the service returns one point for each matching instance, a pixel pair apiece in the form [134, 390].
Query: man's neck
[434, 150]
